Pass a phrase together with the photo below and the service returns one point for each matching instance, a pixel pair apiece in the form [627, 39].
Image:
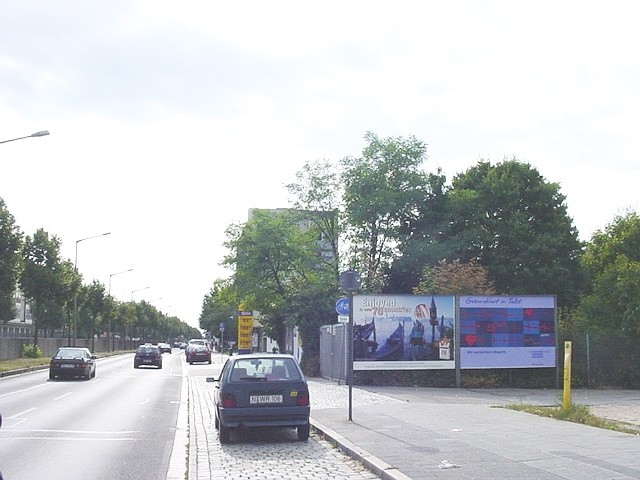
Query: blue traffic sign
[342, 306]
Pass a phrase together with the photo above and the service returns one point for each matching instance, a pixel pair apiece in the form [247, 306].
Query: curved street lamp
[75, 267]
[134, 291]
[42, 133]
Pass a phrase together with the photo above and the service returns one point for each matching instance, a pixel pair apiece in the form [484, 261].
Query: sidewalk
[419, 433]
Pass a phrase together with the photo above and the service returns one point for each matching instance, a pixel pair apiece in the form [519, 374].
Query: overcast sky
[169, 120]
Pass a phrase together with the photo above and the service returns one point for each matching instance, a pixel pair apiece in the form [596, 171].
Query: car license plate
[262, 399]
[67, 365]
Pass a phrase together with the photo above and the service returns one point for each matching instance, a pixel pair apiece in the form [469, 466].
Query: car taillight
[302, 400]
[228, 400]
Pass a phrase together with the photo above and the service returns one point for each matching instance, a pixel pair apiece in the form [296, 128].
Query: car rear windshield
[70, 353]
[148, 349]
[270, 369]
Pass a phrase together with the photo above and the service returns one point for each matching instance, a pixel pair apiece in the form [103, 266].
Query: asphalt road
[119, 425]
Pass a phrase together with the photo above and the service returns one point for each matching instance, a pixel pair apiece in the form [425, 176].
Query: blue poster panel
[403, 332]
[507, 331]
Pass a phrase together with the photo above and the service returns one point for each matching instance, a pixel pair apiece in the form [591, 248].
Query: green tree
[610, 310]
[612, 261]
[10, 245]
[383, 191]
[422, 241]
[46, 280]
[92, 308]
[516, 224]
[621, 238]
[219, 307]
[317, 197]
[275, 258]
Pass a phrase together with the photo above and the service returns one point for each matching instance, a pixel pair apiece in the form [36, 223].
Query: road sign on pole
[342, 306]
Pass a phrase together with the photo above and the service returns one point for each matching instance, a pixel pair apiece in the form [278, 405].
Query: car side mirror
[212, 379]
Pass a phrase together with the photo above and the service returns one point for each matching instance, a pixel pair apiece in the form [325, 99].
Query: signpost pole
[350, 282]
[350, 356]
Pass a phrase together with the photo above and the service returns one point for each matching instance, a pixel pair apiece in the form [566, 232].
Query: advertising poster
[403, 332]
[507, 331]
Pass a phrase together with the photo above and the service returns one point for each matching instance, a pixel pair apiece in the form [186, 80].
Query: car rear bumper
[69, 372]
[264, 417]
[149, 363]
[199, 359]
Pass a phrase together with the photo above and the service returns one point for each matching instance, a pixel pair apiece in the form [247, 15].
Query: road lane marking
[23, 390]
[63, 396]
[20, 414]
[75, 439]
[75, 433]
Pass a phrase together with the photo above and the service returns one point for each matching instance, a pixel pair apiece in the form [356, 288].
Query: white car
[197, 341]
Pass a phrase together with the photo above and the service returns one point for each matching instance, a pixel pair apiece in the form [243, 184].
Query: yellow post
[566, 396]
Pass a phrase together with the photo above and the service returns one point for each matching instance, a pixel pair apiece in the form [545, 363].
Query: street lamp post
[111, 343]
[75, 267]
[134, 291]
[37, 134]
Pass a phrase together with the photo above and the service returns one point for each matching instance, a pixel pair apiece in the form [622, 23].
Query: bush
[31, 351]
[311, 366]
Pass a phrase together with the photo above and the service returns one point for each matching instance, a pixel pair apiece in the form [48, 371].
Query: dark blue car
[261, 390]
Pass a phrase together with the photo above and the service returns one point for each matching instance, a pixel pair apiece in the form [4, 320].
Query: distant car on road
[198, 353]
[261, 390]
[164, 348]
[72, 362]
[197, 341]
[148, 355]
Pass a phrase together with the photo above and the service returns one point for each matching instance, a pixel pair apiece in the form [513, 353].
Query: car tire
[136, 366]
[303, 433]
[159, 367]
[225, 434]
[216, 422]
[93, 374]
[51, 376]
[87, 375]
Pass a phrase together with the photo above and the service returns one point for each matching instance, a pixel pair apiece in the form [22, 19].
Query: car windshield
[70, 353]
[148, 349]
[269, 369]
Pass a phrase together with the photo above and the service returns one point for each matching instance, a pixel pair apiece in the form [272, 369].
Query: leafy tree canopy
[10, 245]
[516, 224]
[275, 258]
[384, 189]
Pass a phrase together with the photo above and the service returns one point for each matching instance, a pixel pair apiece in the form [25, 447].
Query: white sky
[169, 120]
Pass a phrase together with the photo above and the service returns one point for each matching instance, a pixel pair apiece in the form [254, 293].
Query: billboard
[507, 331]
[403, 332]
